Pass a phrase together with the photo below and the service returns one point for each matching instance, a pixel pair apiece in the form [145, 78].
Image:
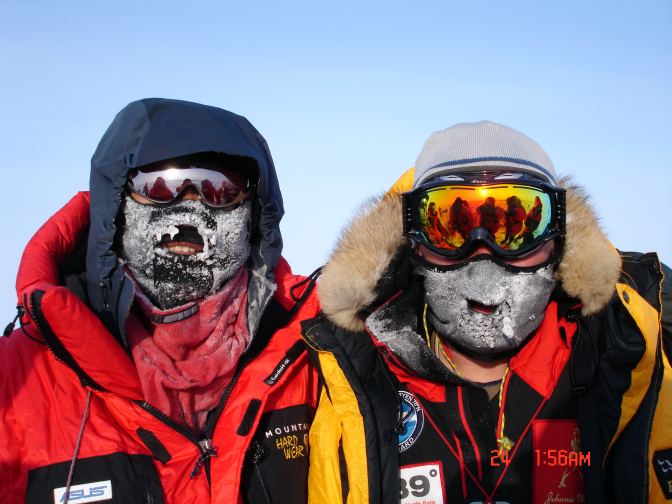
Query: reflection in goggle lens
[218, 188]
[514, 216]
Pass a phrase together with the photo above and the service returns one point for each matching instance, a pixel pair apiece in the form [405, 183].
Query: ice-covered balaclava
[482, 305]
[186, 250]
[484, 308]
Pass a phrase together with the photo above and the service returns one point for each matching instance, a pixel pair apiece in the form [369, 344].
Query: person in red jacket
[532, 220]
[434, 219]
[514, 217]
[490, 215]
[461, 217]
[158, 357]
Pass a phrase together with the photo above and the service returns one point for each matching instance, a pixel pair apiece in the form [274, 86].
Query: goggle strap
[407, 212]
[560, 209]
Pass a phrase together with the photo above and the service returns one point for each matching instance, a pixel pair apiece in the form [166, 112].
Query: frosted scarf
[186, 356]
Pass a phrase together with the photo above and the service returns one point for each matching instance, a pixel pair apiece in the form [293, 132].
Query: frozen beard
[184, 251]
[483, 308]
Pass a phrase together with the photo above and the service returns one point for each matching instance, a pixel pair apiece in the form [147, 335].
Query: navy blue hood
[155, 129]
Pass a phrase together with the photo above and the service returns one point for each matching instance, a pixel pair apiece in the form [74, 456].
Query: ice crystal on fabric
[518, 301]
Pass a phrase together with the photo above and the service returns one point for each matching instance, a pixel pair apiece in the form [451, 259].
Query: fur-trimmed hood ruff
[365, 253]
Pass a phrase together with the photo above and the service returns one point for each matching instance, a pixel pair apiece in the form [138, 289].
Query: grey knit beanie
[481, 146]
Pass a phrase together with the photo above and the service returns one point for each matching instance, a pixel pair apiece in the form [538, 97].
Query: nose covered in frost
[186, 251]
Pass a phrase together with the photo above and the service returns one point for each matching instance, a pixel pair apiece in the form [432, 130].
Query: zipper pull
[104, 292]
[207, 452]
[259, 453]
[10, 327]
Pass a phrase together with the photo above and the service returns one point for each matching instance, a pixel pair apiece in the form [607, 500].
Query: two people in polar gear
[458, 368]
[159, 355]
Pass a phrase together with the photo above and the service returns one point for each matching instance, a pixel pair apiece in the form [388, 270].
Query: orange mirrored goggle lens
[514, 216]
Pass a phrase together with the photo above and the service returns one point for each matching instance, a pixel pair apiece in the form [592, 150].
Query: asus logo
[87, 492]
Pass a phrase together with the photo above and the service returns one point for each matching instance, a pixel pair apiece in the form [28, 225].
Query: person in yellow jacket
[480, 370]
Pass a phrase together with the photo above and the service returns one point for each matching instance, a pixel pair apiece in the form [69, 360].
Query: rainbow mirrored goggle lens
[511, 218]
[218, 187]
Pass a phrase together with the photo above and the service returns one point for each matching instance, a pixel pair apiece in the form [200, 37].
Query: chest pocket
[276, 468]
[115, 478]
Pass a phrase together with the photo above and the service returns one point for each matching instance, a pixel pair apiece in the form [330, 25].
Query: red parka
[70, 400]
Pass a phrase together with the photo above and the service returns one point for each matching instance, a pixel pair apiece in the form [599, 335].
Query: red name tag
[557, 461]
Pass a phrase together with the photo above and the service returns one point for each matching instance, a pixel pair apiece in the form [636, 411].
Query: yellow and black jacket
[598, 370]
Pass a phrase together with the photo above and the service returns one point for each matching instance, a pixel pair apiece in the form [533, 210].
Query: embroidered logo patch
[411, 422]
[291, 440]
[662, 464]
[421, 484]
[557, 462]
[86, 492]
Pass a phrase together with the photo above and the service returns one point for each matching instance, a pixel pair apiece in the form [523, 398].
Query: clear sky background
[345, 94]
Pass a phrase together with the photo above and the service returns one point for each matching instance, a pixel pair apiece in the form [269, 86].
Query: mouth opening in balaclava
[187, 241]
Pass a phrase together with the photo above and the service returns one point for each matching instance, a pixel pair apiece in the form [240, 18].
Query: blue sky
[345, 94]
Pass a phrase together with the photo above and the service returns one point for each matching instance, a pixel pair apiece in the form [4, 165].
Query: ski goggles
[218, 187]
[512, 218]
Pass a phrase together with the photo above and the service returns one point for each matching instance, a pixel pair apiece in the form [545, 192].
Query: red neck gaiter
[186, 356]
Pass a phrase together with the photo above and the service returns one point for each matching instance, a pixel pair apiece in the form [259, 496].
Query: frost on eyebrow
[170, 279]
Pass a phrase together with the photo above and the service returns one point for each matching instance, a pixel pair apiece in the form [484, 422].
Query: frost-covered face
[483, 308]
[184, 251]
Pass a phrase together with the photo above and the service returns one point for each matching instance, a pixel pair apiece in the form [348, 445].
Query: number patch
[421, 484]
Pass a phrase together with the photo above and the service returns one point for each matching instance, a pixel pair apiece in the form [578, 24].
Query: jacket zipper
[247, 357]
[659, 368]
[204, 443]
[39, 320]
[38, 325]
[46, 333]
[260, 453]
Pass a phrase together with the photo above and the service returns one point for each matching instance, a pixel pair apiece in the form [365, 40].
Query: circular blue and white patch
[412, 420]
